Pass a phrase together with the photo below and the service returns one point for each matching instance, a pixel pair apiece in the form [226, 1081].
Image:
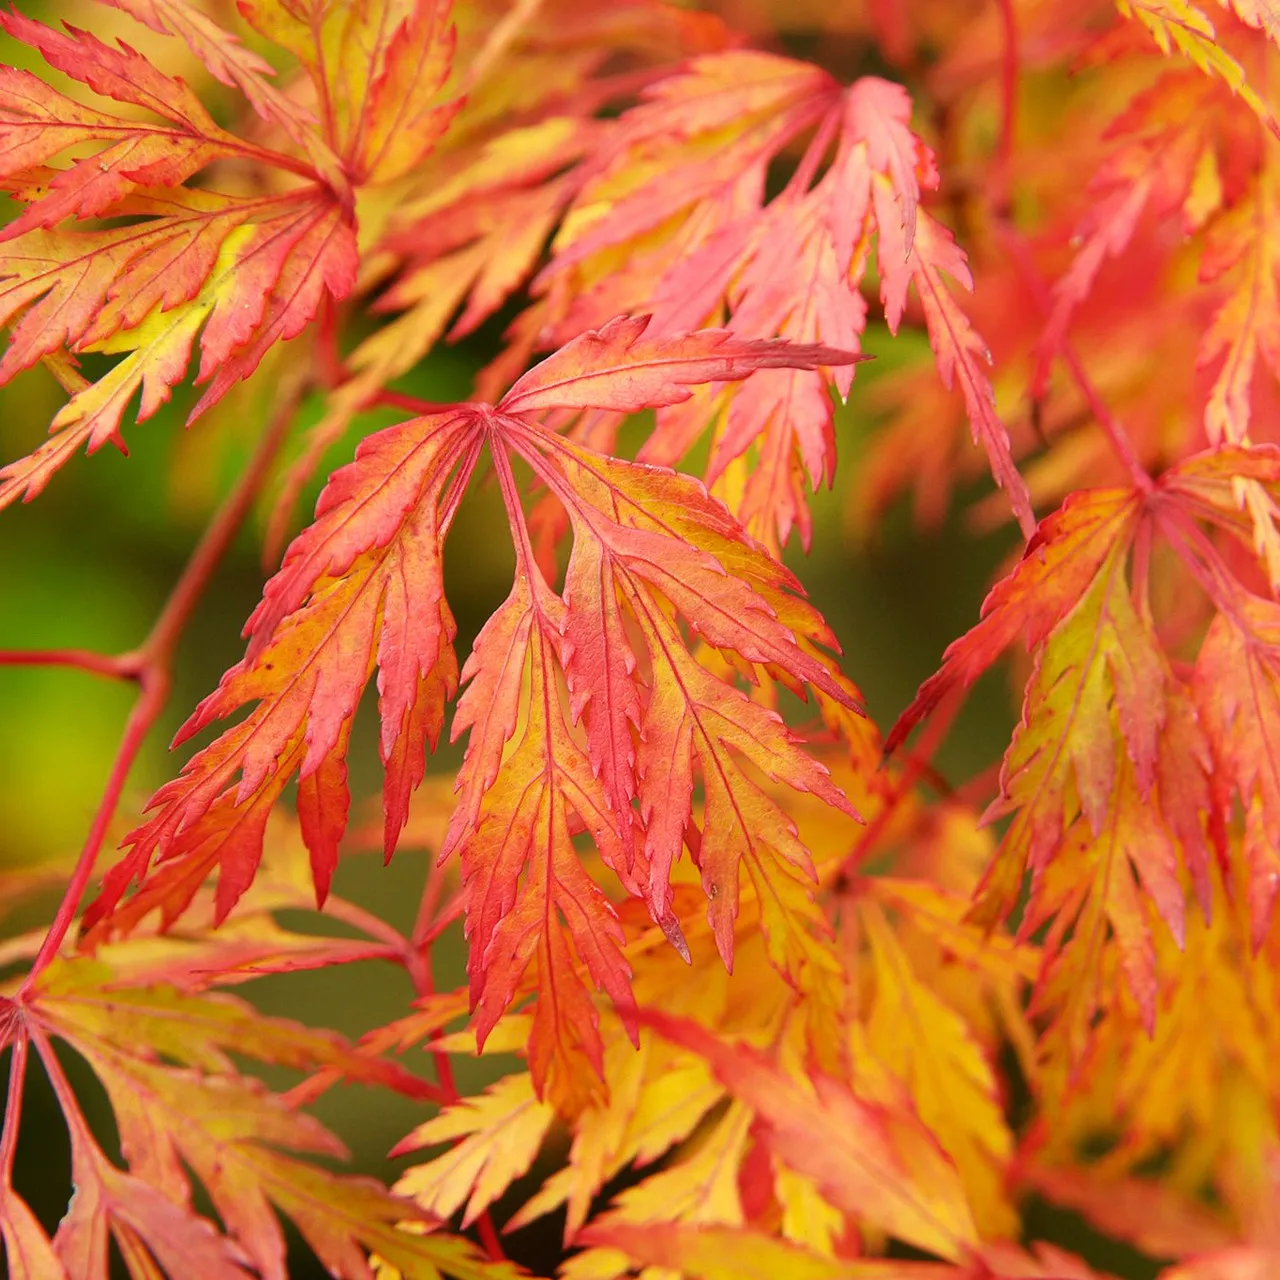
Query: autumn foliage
[772, 996]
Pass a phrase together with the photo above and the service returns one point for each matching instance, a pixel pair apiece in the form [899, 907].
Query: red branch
[150, 663]
[113, 666]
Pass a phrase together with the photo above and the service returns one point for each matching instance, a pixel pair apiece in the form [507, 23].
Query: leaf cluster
[764, 993]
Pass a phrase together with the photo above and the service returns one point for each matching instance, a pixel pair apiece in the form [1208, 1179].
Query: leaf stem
[1008, 89]
[503, 34]
[401, 400]
[155, 690]
[13, 1109]
[1117, 436]
[150, 662]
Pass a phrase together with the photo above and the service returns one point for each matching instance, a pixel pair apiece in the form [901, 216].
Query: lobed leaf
[881, 1167]
[675, 212]
[183, 1111]
[363, 587]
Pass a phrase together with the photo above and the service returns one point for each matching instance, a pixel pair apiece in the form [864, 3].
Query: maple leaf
[673, 214]
[716, 1253]
[182, 1110]
[1246, 326]
[1237, 682]
[376, 71]
[1235, 679]
[228, 61]
[1168, 163]
[1235, 489]
[1177, 24]
[658, 1096]
[363, 586]
[497, 1136]
[38, 124]
[234, 274]
[876, 1163]
[1214, 1039]
[930, 1046]
[1261, 14]
[459, 234]
[660, 1099]
[1107, 775]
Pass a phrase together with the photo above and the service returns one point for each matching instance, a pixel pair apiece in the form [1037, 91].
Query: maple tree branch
[451, 912]
[328, 355]
[377, 929]
[916, 767]
[151, 660]
[426, 921]
[928, 773]
[113, 666]
[155, 691]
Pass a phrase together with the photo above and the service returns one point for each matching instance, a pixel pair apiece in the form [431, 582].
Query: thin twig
[916, 766]
[1116, 435]
[1008, 89]
[113, 666]
[1119, 439]
[155, 691]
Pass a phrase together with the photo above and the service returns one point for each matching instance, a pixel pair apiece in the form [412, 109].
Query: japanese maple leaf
[930, 1046]
[496, 1134]
[586, 709]
[458, 235]
[1181, 26]
[229, 276]
[1235, 489]
[1242, 253]
[232, 274]
[674, 214]
[1186, 149]
[1237, 686]
[730, 1253]
[184, 1113]
[877, 1163]
[1105, 780]
[1236, 680]
[376, 71]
